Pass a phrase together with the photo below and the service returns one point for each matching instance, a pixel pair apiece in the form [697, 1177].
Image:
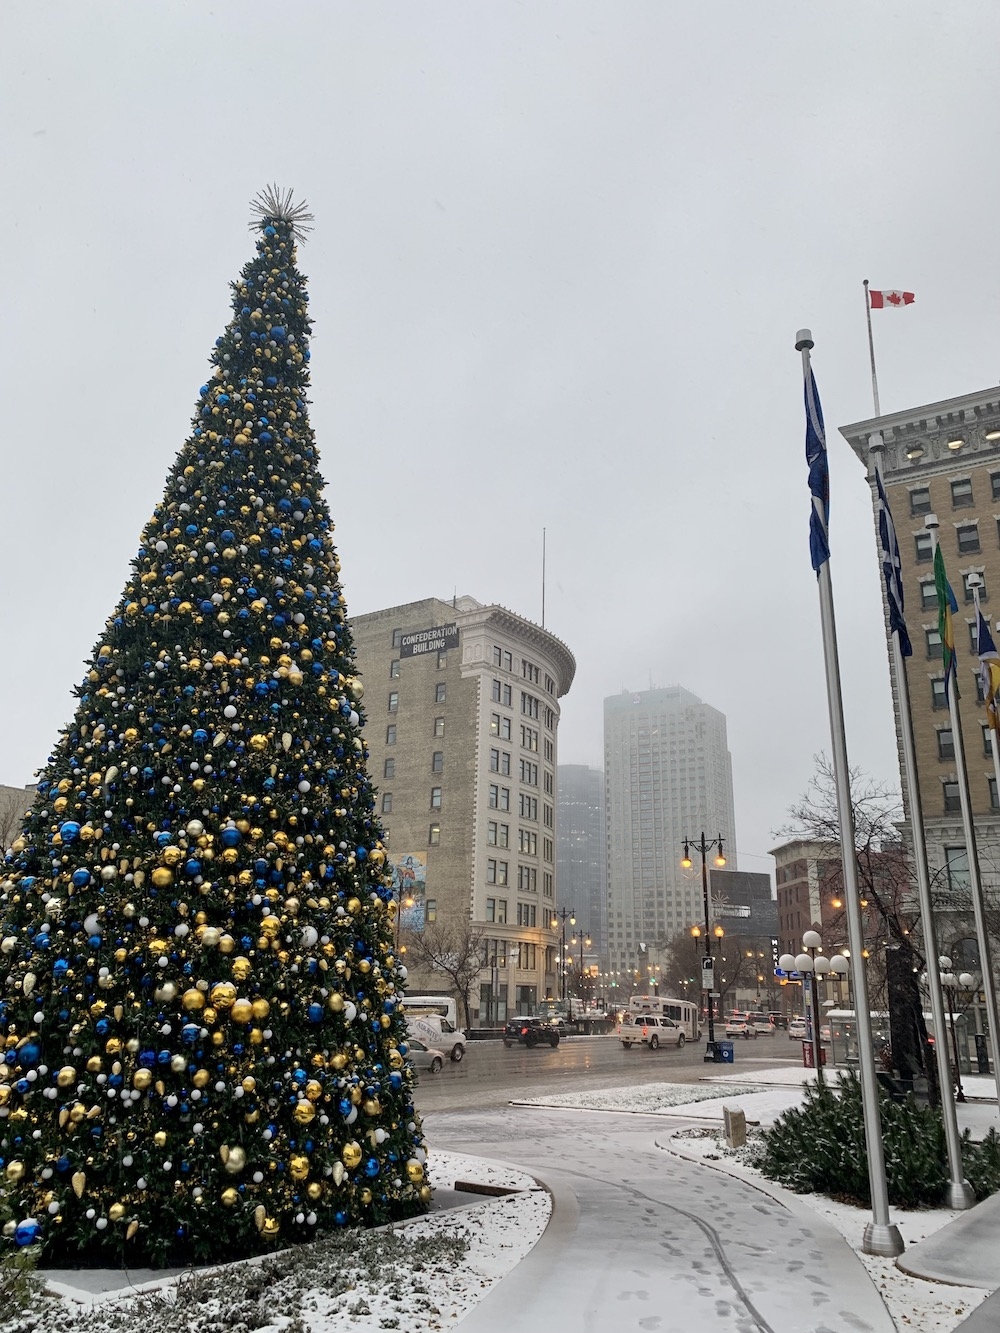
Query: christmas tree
[204, 1044]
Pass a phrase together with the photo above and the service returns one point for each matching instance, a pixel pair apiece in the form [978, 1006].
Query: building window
[549, 750]
[387, 802]
[961, 493]
[435, 798]
[439, 692]
[390, 734]
[496, 872]
[548, 850]
[527, 914]
[968, 538]
[924, 546]
[549, 783]
[389, 768]
[500, 762]
[933, 642]
[550, 719]
[527, 879]
[394, 669]
[548, 816]
[547, 883]
[528, 807]
[952, 801]
[439, 727]
[995, 485]
[994, 802]
[530, 672]
[987, 740]
[928, 596]
[491, 909]
[430, 910]
[529, 739]
[397, 638]
[956, 860]
[434, 835]
[499, 797]
[530, 706]
[442, 659]
[550, 685]
[980, 695]
[393, 702]
[946, 744]
[527, 963]
[500, 726]
[437, 761]
[529, 773]
[981, 577]
[920, 501]
[502, 658]
[528, 842]
[497, 835]
[973, 637]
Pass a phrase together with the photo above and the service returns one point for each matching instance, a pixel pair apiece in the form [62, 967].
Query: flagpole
[959, 1193]
[871, 348]
[881, 1236]
[972, 851]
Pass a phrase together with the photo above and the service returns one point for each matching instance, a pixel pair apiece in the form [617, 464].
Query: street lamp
[588, 942]
[811, 966]
[704, 847]
[400, 904]
[563, 914]
[950, 984]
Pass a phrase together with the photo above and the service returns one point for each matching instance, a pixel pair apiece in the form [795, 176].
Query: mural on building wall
[409, 885]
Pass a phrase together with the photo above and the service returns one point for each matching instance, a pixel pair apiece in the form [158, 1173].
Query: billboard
[434, 640]
[409, 887]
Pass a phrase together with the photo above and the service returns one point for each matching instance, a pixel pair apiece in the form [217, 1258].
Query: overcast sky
[560, 256]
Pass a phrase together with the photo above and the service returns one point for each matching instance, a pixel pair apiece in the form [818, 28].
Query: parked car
[739, 1027]
[761, 1022]
[424, 1057]
[530, 1032]
[651, 1030]
[797, 1029]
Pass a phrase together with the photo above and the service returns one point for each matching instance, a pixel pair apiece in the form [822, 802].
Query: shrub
[820, 1148]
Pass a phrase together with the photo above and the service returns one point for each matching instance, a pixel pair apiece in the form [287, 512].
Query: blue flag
[891, 566]
[819, 476]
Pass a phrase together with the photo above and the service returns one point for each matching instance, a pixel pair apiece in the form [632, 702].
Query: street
[491, 1076]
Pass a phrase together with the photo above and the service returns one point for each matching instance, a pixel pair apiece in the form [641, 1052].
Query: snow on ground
[649, 1099]
[421, 1276]
[915, 1305]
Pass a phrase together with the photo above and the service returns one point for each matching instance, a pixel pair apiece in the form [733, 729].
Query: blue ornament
[231, 837]
[70, 831]
[81, 878]
[27, 1232]
[315, 1012]
[371, 1167]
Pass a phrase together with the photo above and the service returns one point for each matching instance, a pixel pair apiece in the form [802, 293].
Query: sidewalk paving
[641, 1240]
[965, 1252]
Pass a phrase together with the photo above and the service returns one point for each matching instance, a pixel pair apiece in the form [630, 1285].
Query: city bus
[683, 1012]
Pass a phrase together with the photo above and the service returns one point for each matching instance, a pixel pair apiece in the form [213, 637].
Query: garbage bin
[724, 1052]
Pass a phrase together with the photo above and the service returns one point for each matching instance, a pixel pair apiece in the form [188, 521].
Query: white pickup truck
[438, 1033]
[652, 1030]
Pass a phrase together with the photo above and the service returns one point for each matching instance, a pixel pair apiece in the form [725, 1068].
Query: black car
[530, 1032]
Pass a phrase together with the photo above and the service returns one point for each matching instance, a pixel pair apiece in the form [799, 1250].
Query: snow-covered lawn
[424, 1275]
[915, 1305]
[649, 1099]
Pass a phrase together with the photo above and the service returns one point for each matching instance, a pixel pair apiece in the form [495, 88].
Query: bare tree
[14, 804]
[455, 951]
[889, 909]
[737, 965]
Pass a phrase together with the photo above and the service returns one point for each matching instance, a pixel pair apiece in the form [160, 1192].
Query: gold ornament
[160, 1138]
[141, 1079]
[201, 1078]
[162, 877]
[298, 1166]
[230, 1197]
[223, 995]
[354, 906]
[426, 1193]
[372, 1107]
[193, 1000]
[351, 1155]
[227, 944]
[304, 1112]
[314, 1190]
[366, 1196]
[258, 742]
[414, 1171]
[234, 1161]
[335, 1003]
[94, 1064]
[241, 1011]
[259, 1216]
[314, 1090]
[132, 1228]
[270, 1228]
[79, 1182]
[116, 1212]
[14, 1170]
[172, 856]
[261, 1009]
[66, 1076]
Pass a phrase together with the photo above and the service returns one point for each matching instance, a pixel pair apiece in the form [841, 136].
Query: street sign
[792, 976]
[707, 975]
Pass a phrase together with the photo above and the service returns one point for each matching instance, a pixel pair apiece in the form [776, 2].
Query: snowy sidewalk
[640, 1240]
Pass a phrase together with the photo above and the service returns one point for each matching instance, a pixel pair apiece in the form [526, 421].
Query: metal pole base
[709, 1056]
[959, 1195]
[884, 1240]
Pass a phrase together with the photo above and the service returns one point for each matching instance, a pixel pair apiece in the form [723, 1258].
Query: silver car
[424, 1057]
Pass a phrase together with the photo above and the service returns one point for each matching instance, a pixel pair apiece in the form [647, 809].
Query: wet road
[491, 1076]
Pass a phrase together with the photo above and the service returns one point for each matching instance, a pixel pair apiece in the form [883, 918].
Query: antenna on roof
[543, 578]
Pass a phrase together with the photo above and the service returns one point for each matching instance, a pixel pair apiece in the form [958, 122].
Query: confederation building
[944, 459]
[463, 717]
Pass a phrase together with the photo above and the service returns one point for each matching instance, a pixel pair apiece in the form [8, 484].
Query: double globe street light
[812, 964]
[952, 984]
[703, 847]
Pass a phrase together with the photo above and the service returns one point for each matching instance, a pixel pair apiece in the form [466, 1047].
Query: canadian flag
[880, 300]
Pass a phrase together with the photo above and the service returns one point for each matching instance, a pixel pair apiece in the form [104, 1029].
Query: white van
[442, 1005]
[683, 1012]
[651, 1030]
[436, 1032]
